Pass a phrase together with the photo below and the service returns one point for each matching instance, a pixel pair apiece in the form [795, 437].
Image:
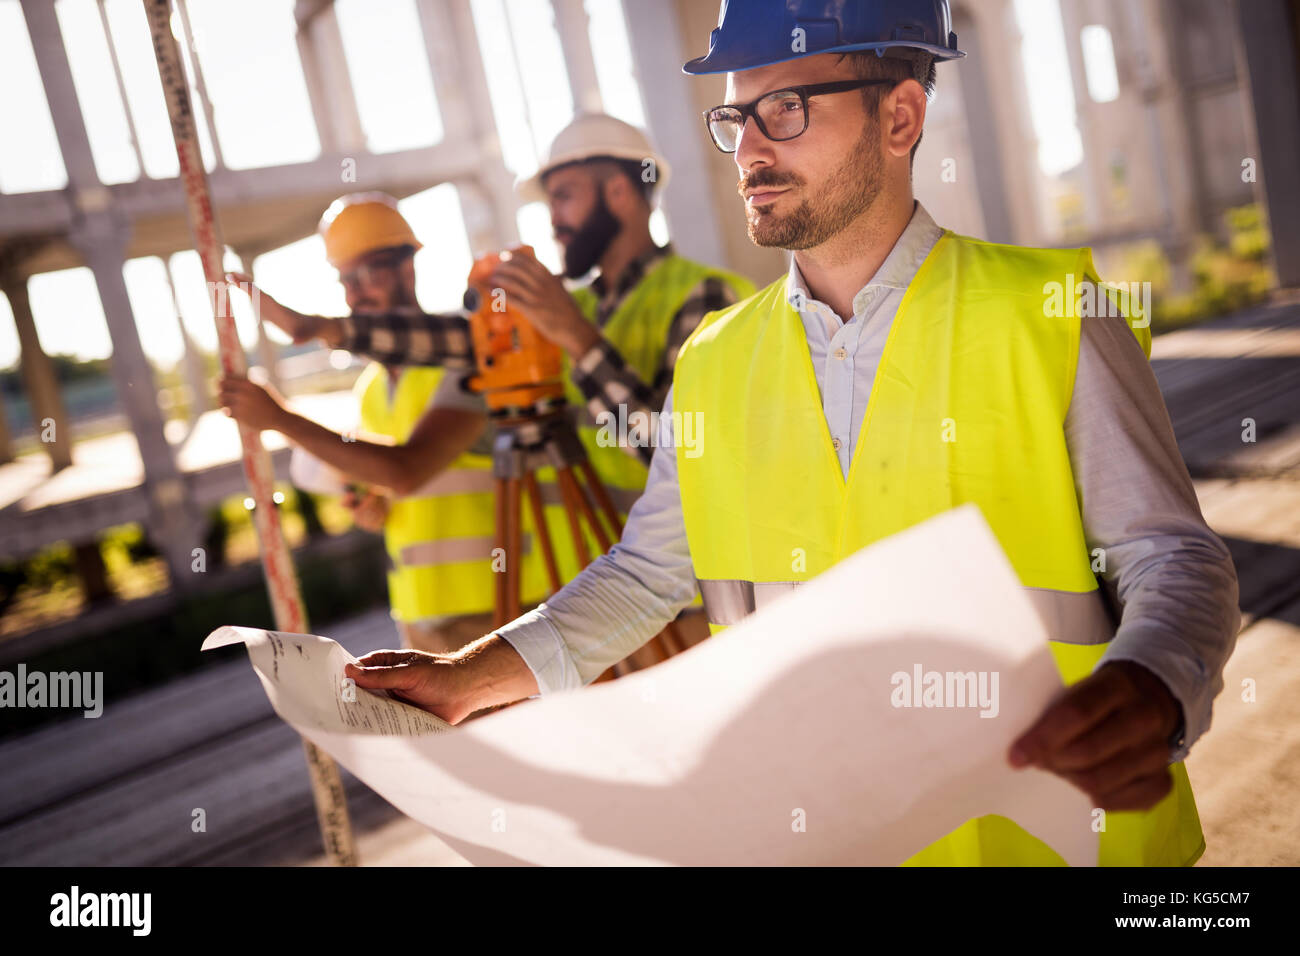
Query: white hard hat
[590, 135]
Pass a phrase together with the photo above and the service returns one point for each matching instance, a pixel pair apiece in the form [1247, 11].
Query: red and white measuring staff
[281, 580]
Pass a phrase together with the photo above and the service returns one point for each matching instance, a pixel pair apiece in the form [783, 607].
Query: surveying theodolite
[520, 375]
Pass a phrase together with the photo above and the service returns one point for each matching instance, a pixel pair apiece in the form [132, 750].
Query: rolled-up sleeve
[623, 598]
[1171, 576]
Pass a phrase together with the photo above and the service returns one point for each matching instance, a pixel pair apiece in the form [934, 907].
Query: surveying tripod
[539, 437]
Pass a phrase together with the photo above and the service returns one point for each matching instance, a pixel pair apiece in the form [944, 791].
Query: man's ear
[620, 197]
[904, 117]
[408, 270]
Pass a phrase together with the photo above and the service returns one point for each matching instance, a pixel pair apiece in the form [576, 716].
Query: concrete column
[6, 440]
[329, 86]
[101, 236]
[658, 54]
[190, 49]
[56, 78]
[96, 587]
[173, 523]
[990, 182]
[333, 104]
[575, 40]
[489, 202]
[39, 381]
[267, 352]
[1000, 45]
[1269, 61]
[1195, 212]
[1093, 179]
[196, 376]
[121, 88]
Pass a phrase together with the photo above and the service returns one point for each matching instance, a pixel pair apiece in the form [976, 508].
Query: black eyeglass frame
[747, 110]
[381, 260]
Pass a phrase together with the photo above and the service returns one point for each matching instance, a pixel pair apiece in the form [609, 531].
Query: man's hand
[431, 682]
[483, 674]
[1109, 736]
[547, 305]
[369, 511]
[301, 328]
[257, 406]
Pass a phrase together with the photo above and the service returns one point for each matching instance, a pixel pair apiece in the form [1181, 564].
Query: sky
[262, 117]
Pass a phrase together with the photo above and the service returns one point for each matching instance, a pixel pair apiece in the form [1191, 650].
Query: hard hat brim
[720, 63]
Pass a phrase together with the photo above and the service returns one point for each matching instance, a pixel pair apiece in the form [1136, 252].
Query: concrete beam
[53, 212]
[1271, 64]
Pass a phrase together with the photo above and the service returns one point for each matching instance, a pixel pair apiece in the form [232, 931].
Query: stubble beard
[846, 194]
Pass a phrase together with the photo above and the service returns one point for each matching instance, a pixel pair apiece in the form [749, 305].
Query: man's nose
[753, 149]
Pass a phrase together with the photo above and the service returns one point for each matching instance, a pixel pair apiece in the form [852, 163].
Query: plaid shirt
[412, 337]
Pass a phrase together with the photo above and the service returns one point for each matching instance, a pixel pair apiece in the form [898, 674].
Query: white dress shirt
[1170, 574]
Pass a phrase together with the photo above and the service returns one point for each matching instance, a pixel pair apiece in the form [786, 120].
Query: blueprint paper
[800, 736]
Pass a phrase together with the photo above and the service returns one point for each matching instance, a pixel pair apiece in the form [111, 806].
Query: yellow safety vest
[440, 540]
[971, 354]
[638, 329]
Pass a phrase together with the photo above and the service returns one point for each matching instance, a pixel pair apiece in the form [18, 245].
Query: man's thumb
[384, 676]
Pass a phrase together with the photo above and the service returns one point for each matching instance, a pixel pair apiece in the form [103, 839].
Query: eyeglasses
[781, 114]
[369, 270]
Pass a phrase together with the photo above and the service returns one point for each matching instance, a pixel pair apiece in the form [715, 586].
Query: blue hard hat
[754, 33]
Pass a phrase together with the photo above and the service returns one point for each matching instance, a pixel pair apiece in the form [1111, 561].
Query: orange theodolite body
[517, 367]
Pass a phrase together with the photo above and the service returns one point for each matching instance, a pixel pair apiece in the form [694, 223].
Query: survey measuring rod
[281, 579]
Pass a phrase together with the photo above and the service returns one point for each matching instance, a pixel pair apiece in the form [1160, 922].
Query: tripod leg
[601, 495]
[566, 475]
[543, 532]
[672, 639]
[571, 509]
[514, 549]
[500, 601]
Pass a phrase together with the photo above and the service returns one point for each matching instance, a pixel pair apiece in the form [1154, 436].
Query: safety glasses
[372, 266]
[780, 115]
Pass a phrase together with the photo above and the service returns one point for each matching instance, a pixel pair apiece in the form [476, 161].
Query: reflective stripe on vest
[438, 521]
[451, 550]
[967, 405]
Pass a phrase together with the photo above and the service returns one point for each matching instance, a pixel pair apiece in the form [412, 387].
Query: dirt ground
[1245, 771]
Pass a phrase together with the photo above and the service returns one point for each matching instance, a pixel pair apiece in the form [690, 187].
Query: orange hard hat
[360, 223]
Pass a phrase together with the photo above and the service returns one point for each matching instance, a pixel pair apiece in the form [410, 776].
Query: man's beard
[590, 240]
[843, 197]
